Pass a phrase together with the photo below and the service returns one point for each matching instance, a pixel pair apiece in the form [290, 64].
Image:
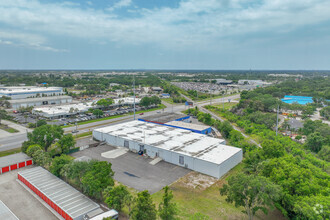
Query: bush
[31, 125]
[41, 122]
[32, 149]
[26, 145]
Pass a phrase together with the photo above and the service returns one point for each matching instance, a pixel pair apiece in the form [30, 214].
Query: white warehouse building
[184, 148]
[23, 92]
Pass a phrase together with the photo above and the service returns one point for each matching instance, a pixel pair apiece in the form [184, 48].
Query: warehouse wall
[230, 163]
[206, 167]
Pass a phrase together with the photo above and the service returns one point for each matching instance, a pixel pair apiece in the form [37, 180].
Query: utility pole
[134, 94]
[277, 119]
[210, 98]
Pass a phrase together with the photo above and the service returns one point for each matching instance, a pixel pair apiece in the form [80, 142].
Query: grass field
[8, 129]
[168, 100]
[227, 105]
[213, 97]
[208, 201]
[9, 152]
[85, 134]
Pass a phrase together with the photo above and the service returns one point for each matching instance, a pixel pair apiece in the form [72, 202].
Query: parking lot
[25, 118]
[20, 201]
[135, 171]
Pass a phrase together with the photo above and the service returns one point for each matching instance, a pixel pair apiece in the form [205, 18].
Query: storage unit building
[184, 148]
[14, 161]
[63, 198]
[6, 213]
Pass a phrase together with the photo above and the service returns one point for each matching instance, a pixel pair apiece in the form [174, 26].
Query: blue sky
[165, 34]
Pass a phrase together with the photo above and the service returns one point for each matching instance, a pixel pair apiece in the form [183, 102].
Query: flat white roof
[188, 125]
[173, 139]
[47, 98]
[23, 89]
[64, 109]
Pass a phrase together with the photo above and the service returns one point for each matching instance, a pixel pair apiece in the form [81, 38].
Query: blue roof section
[302, 100]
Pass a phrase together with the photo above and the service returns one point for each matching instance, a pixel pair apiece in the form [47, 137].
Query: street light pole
[277, 119]
[134, 94]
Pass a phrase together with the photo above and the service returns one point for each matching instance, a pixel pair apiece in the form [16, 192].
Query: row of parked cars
[86, 117]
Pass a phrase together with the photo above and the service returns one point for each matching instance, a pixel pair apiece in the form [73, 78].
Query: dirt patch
[197, 181]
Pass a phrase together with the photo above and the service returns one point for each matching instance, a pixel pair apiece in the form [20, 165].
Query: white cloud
[208, 24]
[120, 4]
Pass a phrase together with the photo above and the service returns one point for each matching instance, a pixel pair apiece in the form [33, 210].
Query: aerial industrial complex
[181, 147]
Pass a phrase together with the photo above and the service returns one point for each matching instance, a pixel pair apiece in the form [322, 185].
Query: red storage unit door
[22, 164]
[4, 169]
[13, 167]
[29, 162]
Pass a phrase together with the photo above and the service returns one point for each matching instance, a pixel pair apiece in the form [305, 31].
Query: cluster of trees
[51, 139]
[141, 206]
[179, 99]
[4, 115]
[234, 137]
[318, 136]
[105, 102]
[301, 176]
[325, 112]
[317, 87]
[4, 102]
[148, 101]
[37, 124]
[197, 95]
[92, 82]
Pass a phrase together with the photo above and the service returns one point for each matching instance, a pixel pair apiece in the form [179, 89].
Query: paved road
[16, 141]
[221, 100]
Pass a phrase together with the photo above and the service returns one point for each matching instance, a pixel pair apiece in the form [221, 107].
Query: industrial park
[164, 110]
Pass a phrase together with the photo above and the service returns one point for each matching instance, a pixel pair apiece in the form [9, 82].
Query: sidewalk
[21, 129]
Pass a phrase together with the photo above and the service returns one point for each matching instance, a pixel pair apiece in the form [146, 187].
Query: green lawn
[227, 105]
[8, 129]
[9, 152]
[213, 97]
[168, 100]
[85, 134]
[209, 201]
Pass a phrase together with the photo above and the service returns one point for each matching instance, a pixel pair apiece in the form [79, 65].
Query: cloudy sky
[165, 34]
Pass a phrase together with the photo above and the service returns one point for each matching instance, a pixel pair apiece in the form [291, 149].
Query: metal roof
[163, 117]
[188, 125]
[22, 89]
[47, 98]
[13, 159]
[6, 213]
[173, 139]
[70, 200]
